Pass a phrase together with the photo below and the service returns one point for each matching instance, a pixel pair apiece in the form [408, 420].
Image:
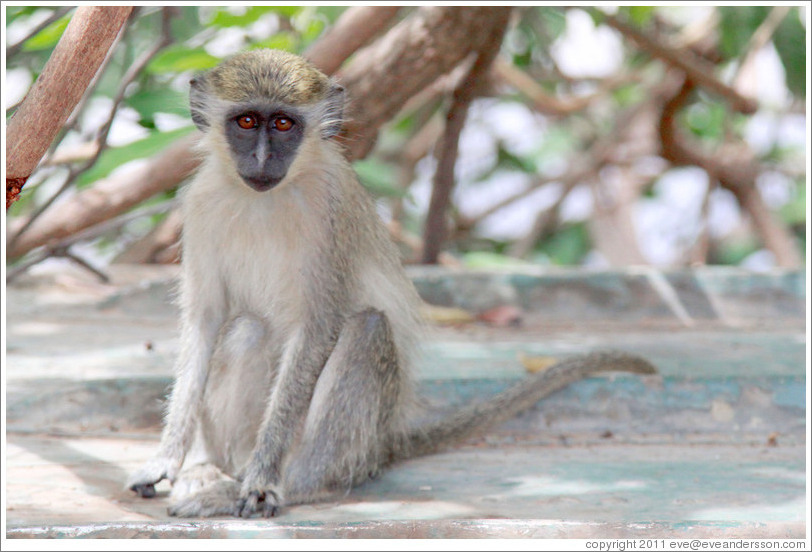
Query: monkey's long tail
[474, 418]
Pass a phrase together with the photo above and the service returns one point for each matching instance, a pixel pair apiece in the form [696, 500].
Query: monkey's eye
[247, 122]
[282, 124]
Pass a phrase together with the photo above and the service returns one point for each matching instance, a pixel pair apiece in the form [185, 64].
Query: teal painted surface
[630, 295]
[685, 354]
[785, 396]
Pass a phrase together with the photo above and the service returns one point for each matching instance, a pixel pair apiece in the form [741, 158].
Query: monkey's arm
[198, 336]
[303, 360]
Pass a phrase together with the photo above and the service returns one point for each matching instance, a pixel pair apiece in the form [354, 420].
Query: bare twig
[611, 225]
[544, 222]
[700, 71]
[62, 252]
[436, 227]
[59, 87]
[579, 169]
[415, 149]
[697, 253]
[547, 103]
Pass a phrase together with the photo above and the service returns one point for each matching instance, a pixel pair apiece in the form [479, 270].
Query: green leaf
[185, 23]
[332, 13]
[113, 158]
[225, 18]
[179, 58]
[47, 37]
[287, 11]
[13, 12]
[597, 15]
[558, 141]
[736, 25]
[506, 159]
[378, 177]
[313, 30]
[628, 94]
[164, 100]
[639, 15]
[283, 40]
[733, 252]
[555, 21]
[790, 42]
[794, 211]
[567, 246]
[706, 120]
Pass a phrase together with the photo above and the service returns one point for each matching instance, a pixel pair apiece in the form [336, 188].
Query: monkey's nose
[262, 157]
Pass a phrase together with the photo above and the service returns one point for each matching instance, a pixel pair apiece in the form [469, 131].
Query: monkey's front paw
[265, 502]
[157, 468]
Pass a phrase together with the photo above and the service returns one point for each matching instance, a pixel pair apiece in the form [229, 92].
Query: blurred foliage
[114, 157]
[203, 35]
[47, 38]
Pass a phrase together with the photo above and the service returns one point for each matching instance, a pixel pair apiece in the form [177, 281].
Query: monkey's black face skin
[263, 143]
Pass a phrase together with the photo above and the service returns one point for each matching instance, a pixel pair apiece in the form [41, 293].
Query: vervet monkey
[299, 324]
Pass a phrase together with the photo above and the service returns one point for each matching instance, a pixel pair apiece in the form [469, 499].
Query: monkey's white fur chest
[250, 248]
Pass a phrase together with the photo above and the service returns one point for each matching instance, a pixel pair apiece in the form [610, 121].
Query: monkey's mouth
[261, 184]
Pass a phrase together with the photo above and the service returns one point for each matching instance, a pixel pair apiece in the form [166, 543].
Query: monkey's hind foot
[203, 490]
[217, 499]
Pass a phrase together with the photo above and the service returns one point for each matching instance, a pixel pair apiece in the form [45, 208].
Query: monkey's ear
[197, 102]
[333, 111]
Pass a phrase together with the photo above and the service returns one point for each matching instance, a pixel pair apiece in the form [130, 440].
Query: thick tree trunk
[417, 51]
[58, 89]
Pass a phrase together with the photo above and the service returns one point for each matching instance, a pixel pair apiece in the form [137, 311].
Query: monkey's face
[263, 141]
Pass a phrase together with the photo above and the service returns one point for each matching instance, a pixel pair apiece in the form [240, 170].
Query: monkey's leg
[351, 412]
[240, 375]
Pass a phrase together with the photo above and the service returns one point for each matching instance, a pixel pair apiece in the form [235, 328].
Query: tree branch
[436, 227]
[109, 197]
[152, 248]
[356, 27]
[74, 61]
[407, 59]
[736, 169]
[547, 103]
[697, 69]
